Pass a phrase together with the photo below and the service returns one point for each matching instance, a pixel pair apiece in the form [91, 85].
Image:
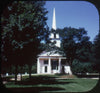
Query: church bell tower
[54, 36]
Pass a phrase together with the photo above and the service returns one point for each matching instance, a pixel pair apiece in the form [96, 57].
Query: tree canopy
[23, 28]
[23, 25]
[75, 44]
[96, 49]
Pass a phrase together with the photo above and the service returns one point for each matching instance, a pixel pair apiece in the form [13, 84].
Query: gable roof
[50, 53]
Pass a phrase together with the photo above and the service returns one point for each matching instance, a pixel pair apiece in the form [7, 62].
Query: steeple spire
[54, 20]
[54, 36]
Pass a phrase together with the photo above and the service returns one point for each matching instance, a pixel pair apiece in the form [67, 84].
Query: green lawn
[49, 84]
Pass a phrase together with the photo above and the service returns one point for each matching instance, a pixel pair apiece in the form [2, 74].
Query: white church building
[51, 62]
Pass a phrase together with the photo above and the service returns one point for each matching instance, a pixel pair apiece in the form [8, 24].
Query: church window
[54, 64]
[45, 61]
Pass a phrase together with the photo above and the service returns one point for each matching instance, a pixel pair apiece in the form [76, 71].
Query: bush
[82, 67]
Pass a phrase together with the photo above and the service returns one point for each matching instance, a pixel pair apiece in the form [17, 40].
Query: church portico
[51, 65]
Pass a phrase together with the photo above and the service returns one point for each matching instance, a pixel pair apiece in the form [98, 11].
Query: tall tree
[23, 28]
[75, 44]
[97, 52]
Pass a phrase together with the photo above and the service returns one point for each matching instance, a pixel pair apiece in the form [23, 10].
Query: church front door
[45, 69]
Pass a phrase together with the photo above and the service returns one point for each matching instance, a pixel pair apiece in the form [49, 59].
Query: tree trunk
[16, 72]
[30, 67]
[21, 72]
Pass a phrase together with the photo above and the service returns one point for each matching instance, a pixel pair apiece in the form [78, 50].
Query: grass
[49, 84]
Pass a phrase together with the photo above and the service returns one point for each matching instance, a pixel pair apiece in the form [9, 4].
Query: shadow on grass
[36, 80]
[33, 89]
[42, 80]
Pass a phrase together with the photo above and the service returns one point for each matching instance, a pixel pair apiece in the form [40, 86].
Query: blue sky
[77, 14]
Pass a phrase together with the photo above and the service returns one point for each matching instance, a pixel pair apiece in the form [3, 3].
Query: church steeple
[54, 20]
[54, 36]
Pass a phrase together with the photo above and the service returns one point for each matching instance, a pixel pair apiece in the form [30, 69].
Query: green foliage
[80, 67]
[23, 28]
[12, 69]
[34, 68]
[96, 49]
[75, 44]
[25, 68]
[21, 69]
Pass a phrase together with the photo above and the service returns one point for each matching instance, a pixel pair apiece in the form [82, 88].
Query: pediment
[50, 53]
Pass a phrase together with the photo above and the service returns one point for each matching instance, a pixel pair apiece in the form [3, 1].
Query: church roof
[50, 53]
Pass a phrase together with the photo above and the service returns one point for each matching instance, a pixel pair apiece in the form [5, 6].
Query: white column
[38, 66]
[49, 60]
[59, 65]
[70, 72]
